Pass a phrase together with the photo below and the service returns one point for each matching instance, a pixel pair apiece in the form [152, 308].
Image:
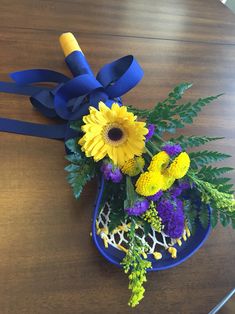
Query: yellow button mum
[112, 132]
[149, 183]
[133, 166]
[180, 165]
[159, 161]
[167, 181]
[159, 164]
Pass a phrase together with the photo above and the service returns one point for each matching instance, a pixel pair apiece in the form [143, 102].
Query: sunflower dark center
[115, 134]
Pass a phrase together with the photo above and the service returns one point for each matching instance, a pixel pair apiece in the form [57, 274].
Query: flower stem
[148, 151]
[159, 138]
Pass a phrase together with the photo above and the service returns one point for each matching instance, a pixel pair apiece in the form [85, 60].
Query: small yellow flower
[151, 216]
[133, 166]
[180, 165]
[173, 251]
[159, 165]
[157, 255]
[159, 161]
[149, 183]
[167, 180]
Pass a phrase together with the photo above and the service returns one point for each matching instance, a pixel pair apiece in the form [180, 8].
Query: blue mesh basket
[115, 256]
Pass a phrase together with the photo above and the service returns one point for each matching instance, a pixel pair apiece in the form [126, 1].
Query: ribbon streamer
[69, 98]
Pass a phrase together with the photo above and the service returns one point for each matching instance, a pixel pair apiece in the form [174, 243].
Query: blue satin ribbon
[69, 99]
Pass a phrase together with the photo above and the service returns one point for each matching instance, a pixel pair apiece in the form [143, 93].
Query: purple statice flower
[151, 129]
[172, 149]
[172, 215]
[138, 209]
[179, 187]
[106, 168]
[110, 173]
[175, 226]
[184, 184]
[156, 196]
[116, 175]
[175, 191]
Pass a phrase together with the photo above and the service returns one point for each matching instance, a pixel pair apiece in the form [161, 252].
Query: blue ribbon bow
[70, 98]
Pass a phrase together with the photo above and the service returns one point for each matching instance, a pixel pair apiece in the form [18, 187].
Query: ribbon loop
[70, 98]
[120, 76]
[44, 102]
[81, 85]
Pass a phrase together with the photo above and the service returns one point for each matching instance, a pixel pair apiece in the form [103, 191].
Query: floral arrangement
[156, 195]
[150, 182]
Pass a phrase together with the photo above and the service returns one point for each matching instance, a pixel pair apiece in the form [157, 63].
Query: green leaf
[179, 90]
[116, 218]
[193, 141]
[74, 158]
[201, 158]
[172, 98]
[76, 125]
[131, 195]
[191, 215]
[214, 217]
[147, 227]
[190, 110]
[213, 172]
[226, 188]
[78, 177]
[204, 216]
[219, 181]
[168, 116]
[115, 200]
[224, 219]
[233, 222]
[72, 168]
[72, 144]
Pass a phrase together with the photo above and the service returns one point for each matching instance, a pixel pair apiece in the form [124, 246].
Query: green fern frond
[193, 141]
[175, 95]
[188, 111]
[209, 172]
[170, 116]
[226, 188]
[191, 215]
[79, 176]
[178, 92]
[214, 217]
[212, 175]
[81, 169]
[201, 158]
[204, 215]
[76, 125]
[222, 203]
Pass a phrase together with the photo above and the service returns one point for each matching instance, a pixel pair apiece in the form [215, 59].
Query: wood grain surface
[48, 262]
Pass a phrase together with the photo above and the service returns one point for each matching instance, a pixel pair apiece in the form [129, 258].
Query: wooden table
[48, 262]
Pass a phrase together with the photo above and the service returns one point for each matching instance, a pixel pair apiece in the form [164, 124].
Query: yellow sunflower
[112, 132]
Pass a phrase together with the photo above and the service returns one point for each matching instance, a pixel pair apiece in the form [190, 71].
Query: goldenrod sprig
[135, 264]
[224, 201]
[151, 216]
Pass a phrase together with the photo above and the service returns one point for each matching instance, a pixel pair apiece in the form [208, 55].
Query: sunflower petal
[97, 143]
